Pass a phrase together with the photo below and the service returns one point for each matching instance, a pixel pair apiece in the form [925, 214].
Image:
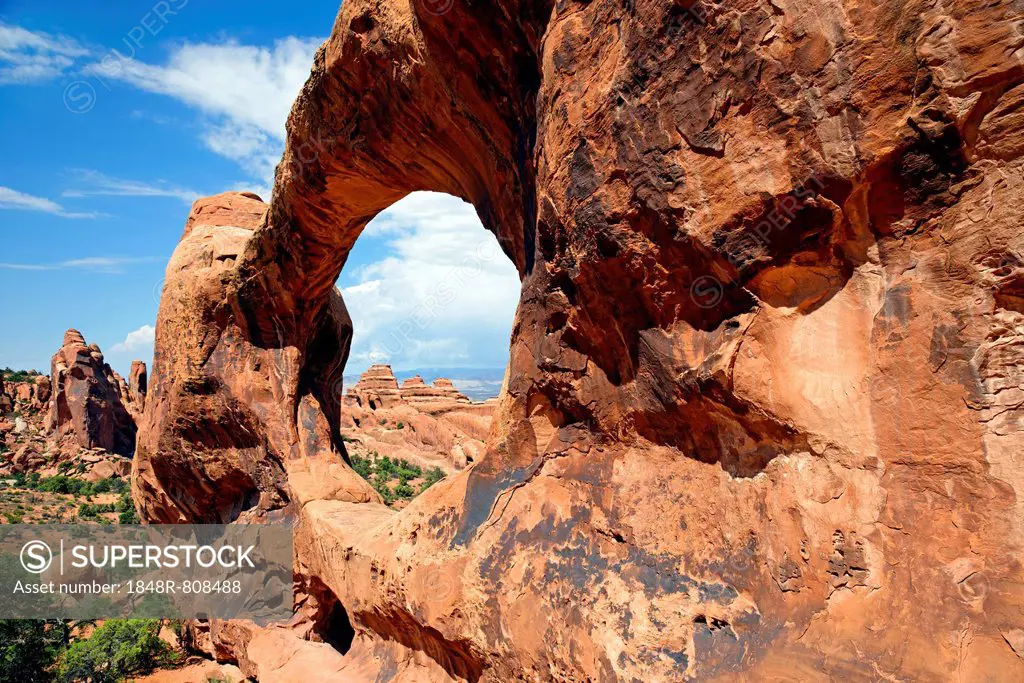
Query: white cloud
[245, 91]
[255, 150]
[12, 199]
[446, 295]
[29, 56]
[140, 339]
[92, 264]
[97, 183]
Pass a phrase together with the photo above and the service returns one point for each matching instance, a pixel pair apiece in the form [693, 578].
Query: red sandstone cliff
[764, 405]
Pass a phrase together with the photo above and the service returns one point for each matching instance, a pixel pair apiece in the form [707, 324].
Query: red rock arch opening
[428, 287]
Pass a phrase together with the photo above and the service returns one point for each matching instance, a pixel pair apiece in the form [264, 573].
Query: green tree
[118, 649]
[28, 649]
[431, 477]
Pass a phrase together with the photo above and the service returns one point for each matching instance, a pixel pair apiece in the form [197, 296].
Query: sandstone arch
[764, 393]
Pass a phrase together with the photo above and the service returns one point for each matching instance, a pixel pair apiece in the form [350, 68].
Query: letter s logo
[36, 557]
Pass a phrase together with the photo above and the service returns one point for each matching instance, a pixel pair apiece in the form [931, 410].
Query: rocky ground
[405, 438]
[60, 464]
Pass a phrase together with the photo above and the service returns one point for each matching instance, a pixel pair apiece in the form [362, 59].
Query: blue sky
[116, 115]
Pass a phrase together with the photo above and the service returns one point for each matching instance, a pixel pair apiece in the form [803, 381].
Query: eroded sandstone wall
[763, 411]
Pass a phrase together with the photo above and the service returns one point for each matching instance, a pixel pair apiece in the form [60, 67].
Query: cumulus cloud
[445, 296]
[30, 56]
[244, 91]
[137, 340]
[13, 199]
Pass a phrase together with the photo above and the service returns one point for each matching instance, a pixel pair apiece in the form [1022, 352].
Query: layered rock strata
[415, 390]
[376, 388]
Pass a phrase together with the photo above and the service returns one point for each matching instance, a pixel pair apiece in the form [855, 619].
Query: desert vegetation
[397, 480]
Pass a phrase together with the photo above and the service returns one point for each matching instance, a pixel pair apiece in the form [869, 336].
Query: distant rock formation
[446, 388]
[376, 388]
[138, 384]
[427, 425]
[415, 390]
[87, 407]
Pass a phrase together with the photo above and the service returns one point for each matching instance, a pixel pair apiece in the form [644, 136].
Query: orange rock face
[86, 406]
[221, 407]
[763, 414]
[138, 385]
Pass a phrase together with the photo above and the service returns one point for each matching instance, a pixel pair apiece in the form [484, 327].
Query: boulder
[87, 406]
[6, 400]
[41, 391]
[107, 467]
[27, 459]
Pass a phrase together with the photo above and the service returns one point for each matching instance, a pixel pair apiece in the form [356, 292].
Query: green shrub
[18, 375]
[404, 470]
[93, 510]
[381, 470]
[381, 487]
[126, 509]
[432, 476]
[403, 490]
[361, 465]
[116, 650]
[62, 483]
